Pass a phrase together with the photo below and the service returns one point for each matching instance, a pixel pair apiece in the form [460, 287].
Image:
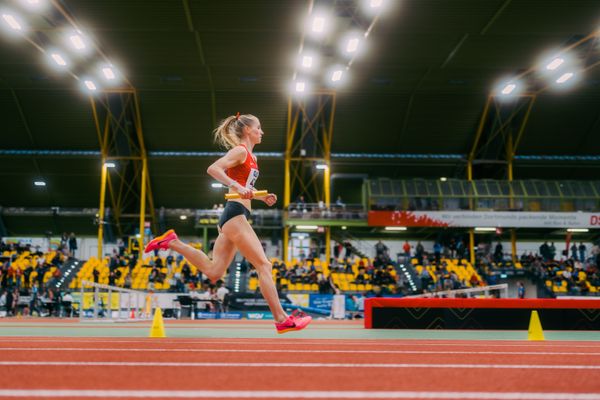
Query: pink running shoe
[295, 322]
[161, 242]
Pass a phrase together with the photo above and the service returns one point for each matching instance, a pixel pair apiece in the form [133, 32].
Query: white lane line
[216, 350]
[287, 394]
[307, 342]
[293, 365]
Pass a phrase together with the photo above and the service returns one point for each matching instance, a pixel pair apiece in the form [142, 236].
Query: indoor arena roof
[420, 87]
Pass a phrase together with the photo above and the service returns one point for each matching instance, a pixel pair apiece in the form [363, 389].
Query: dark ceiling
[420, 88]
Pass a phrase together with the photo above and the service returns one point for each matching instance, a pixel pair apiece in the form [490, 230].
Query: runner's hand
[244, 192]
[270, 199]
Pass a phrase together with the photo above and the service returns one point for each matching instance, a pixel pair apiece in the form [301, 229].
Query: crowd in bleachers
[25, 272]
[574, 273]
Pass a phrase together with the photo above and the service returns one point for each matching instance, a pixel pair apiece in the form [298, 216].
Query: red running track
[296, 368]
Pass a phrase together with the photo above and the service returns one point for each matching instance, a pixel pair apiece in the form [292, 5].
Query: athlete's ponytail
[230, 131]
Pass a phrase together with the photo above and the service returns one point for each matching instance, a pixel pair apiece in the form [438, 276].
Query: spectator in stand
[498, 253]
[460, 249]
[337, 250]
[72, 244]
[10, 302]
[121, 246]
[574, 251]
[437, 251]
[339, 202]
[64, 241]
[520, 290]
[222, 296]
[582, 250]
[301, 204]
[348, 247]
[380, 248]
[419, 250]
[406, 248]
[96, 275]
[545, 251]
[552, 251]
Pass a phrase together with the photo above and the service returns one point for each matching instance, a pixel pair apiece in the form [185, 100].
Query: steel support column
[472, 246]
[118, 123]
[308, 144]
[101, 210]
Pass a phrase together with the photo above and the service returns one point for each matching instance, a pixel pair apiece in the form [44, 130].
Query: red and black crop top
[245, 174]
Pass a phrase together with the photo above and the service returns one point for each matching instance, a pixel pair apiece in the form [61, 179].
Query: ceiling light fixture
[564, 77]
[554, 64]
[509, 88]
[11, 20]
[337, 75]
[90, 85]
[58, 59]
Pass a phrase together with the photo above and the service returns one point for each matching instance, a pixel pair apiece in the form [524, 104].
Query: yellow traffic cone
[535, 327]
[158, 326]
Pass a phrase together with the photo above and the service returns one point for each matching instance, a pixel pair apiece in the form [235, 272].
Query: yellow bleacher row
[463, 269]
[26, 260]
[562, 288]
[343, 280]
[139, 274]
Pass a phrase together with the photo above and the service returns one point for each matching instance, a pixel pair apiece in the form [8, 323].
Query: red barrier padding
[383, 302]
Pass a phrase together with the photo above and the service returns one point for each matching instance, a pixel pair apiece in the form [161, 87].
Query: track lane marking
[293, 365]
[305, 394]
[167, 350]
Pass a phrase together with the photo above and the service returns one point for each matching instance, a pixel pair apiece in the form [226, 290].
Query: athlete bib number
[252, 177]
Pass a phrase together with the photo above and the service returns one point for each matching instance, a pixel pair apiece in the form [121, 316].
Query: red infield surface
[297, 368]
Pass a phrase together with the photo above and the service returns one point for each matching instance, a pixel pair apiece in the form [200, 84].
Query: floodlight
[336, 76]
[307, 61]
[183, 217]
[300, 86]
[555, 63]
[35, 4]
[13, 21]
[216, 185]
[352, 44]
[39, 183]
[321, 166]
[110, 164]
[318, 23]
[485, 229]
[109, 73]
[443, 179]
[90, 85]
[580, 230]
[564, 77]
[58, 59]
[77, 41]
[395, 228]
[508, 89]
[307, 227]
[374, 7]
[344, 227]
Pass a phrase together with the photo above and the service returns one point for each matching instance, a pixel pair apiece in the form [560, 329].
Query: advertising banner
[299, 299]
[218, 315]
[259, 315]
[321, 301]
[469, 219]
